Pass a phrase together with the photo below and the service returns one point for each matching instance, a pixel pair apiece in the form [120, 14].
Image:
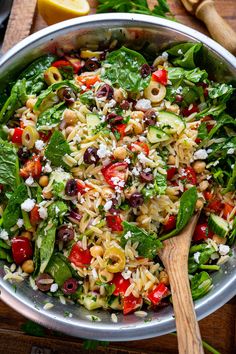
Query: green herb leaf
[9, 165]
[57, 148]
[201, 283]
[184, 55]
[51, 117]
[160, 183]
[47, 233]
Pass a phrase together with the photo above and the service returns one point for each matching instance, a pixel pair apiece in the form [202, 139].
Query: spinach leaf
[201, 284]
[57, 210]
[47, 233]
[202, 131]
[57, 148]
[195, 75]
[58, 269]
[5, 254]
[223, 91]
[212, 110]
[148, 243]
[123, 68]
[51, 117]
[160, 183]
[12, 211]
[186, 210]
[184, 54]
[231, 185]
[87, 98]
[9, 165]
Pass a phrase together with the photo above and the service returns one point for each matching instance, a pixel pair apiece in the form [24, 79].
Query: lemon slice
[54, 11]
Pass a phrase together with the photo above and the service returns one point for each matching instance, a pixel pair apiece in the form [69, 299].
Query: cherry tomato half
[79, 256]
[31, 168]
[157, 294]
[120, 128]
[171, 173]
[187, 111]
[202, 232]
[21, 249]
[114, 222]
[215, 205]
[131, 303]
[61, 63]
[118, 170]
[88, 81]
[120, 283]
[34, 215]
[189, 175]
[160, 76]
[170, 224]
[139, 146]
[228, 208]
[17, 136]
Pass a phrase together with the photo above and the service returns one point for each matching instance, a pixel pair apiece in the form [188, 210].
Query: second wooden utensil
[219, 29]
[174, 256]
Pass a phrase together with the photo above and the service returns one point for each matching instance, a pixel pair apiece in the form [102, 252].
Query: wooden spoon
[219, 29]
[174, 256]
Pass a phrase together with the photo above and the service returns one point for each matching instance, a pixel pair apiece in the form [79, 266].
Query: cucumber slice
[170, 122]
[116, 304]
[156, 135]
[93, 120]
[218, 225]
[92, 302]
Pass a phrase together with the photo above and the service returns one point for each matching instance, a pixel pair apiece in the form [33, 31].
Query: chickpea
[70, 117]
[26, 234]
[171, 160]
[203, 185]
[105, 276]
[137, 128]
[47, 195]
[69, 130]
[43, 181]
[31, 102]
[120, 153]
[199, 166]
[199, 204]
[139, 115]
[164, 278]
[96, 251]
[28, 266]
[119, 95]
[219, 240]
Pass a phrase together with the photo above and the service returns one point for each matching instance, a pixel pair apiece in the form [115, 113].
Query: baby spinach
[58, 269]
[160, 184]
[195, 75]
[57, 148]
[9, 165]
[202, 131]
[51, 117]
[123, 68]
[201, 284]
[184, 54]
[47, 235]
[148, 243]
[186, 210]
[87, 98]
[223, 91]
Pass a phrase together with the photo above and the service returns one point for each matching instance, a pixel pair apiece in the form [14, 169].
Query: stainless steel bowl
[137, 31]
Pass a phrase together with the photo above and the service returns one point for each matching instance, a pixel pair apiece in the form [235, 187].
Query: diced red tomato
[157, 294]
[79, 256]
[120, 283]
[21, 249]
[75, 62]
[198, 140]
[17, 136]
[215, 205]
[45, 137]
[139, 146]
[202, 232]
[207, 195]
[81, 186]
[131, 303]
[194, 109]
[160, 76]
[189, 175]
[34, 215]
[170, 224]
[31, 168]
[61, 63]
[171, 173]
[228, 208]
[120, 128]
[117, 169]
[88, 81]
[114, 222]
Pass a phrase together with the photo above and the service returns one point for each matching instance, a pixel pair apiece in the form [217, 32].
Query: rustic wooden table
[218, 329]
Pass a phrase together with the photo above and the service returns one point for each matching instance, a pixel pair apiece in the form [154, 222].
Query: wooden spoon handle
[189, 337]
[219, 29]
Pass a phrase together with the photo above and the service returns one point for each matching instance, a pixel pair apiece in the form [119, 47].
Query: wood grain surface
[218, 329]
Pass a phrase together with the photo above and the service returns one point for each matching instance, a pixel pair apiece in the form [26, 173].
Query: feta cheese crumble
[223, 249]
[4, 235]
[29, 181]
[28, 205]
[108, 205]
[200, 154]
[43, 212]
[143, 105]
[20, 223]
[196, 257]
[39, 144]
[103, 151]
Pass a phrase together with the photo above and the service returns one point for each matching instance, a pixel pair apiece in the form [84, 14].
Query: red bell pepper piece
[131, 303]
[215, 205]
[157, 294]
[139, 146]
[34, 215]
[121, 284]
[17, 136]
[120, 128]
[79, 256]
[228, 208]
[114, 222]
[171, 173]
[31, 168]
[21, 249]
[189, 175]
[160, 76]
[202, 232]
[194, 109]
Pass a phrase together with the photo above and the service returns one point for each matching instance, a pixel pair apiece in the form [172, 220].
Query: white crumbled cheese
[28, 205]
[108, 205]
[127, 235]
[230, 151]
[115, 180]
[43, 212]
[165, 55]
[142, 138]
[143, 105]
[54, 288]
[180, 51]
[103, 151]
[94, 273]
[4, 235]
[29, 181]
[140, 314]
[127, 159]
[209, 151]
[39, 144]
[223, 249]
[142, 158]
[47, 168]
[20, 223]
[196, 256]
[135, 171]
[111, 103]
[179, 90]
[147, 170]
[200, 154]
[57, 210]
[126, 274]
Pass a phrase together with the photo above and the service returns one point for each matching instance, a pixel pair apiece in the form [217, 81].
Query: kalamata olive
[91, 64]
[66, 94]
[71, 188]
[145, 70]
[23, 154]
[91, 155]
[179, 98]
[44, 282]
[105, 91]
[114, 119]
[65, 233]
[74, 216]
[146, 177]
[70, 286]
[125, 105]
[136, 200]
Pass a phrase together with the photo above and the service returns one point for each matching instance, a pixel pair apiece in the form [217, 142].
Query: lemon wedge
[53, 11]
